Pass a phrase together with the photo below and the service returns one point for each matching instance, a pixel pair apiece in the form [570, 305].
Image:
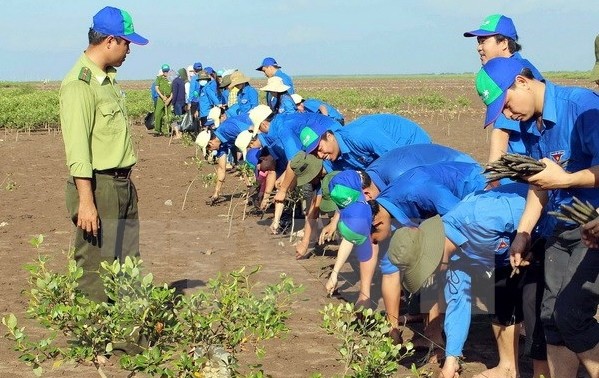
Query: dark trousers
[118, 237]
[571, 292]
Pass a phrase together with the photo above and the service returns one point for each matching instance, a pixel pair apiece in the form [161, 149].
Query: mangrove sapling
[162, 325]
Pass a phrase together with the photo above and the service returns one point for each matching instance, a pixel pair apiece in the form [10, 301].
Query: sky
[41, 39]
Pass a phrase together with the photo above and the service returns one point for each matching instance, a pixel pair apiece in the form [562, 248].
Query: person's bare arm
[498, 144]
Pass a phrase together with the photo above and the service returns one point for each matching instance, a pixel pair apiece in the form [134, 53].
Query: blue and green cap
[354, 226]
[492, 82]
[118, 23]
[310, 136]
[340, 189]
[165, 68]
[493, 25]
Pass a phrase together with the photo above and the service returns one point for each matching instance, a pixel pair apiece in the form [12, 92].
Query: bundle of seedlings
[579, 212]
[513, 166]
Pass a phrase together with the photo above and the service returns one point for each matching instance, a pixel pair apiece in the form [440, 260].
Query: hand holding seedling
[518, 252]
[552, 177]
[589, 233]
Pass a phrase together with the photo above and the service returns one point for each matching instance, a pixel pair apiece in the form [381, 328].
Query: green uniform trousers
[118, 237]
[162, 118]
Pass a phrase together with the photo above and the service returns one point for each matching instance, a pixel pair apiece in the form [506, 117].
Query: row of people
[449, 223]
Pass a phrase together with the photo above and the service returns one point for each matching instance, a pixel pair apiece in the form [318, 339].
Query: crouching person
[470, 243]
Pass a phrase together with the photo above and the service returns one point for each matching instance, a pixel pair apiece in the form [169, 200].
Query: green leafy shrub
[366, 348]
[161, 332]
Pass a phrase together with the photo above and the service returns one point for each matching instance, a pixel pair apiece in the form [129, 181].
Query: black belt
[115, 172]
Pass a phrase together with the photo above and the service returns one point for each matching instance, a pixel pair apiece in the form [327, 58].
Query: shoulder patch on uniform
[85, 74]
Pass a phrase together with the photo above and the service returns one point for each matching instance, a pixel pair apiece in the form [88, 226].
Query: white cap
[243, 140]
[297, 98]
[214, 114]
[202, 140]
[259, 114]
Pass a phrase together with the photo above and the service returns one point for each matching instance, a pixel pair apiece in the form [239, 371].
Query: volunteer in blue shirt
[394, 163]
[193, 98]
[565, 120]
[222, 140]
[208, 95]
[470, 242]
[497, 37]
[312, 105]
[419, 193]
[363, 140]
[281, 134]
[278, 97]
[271, 68]
[247, 96]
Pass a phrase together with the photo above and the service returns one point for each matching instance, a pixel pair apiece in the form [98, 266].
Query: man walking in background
[100, 196]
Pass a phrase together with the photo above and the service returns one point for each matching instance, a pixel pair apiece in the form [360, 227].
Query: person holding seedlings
[312, 105]
[469, 245]
[162, 110]
[99, 151]
[497, 37]
[565, 121]
[278, 96]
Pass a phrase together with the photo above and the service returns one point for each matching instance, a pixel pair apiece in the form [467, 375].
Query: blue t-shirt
[287, 105]
[387, 168]
[569, 133]
[194, 89]
[284, 131]
[369, 137]
[247, 99]
[228, 131]
[208, 98]
[286, 80]
[482, 226]
[313, 105]
[428, 190]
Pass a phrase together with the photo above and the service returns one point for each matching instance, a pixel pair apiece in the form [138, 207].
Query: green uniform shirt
[93, 119]
[164, 86]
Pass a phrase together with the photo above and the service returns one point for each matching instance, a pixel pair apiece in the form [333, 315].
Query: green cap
[417, 252]
[306, 167]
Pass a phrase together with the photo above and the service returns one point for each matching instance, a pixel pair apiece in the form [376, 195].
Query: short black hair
[365, 178]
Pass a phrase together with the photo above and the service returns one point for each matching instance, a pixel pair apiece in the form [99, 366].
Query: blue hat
[209, 70]
[118, 23]
[310, 136]
[268, 62]
[197, 66]
[492, 82]
[340, 189]
[354, 225]
[165, 68]
[493, 25]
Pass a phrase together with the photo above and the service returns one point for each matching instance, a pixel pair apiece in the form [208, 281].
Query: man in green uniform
[100, 196]
[163, 109]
